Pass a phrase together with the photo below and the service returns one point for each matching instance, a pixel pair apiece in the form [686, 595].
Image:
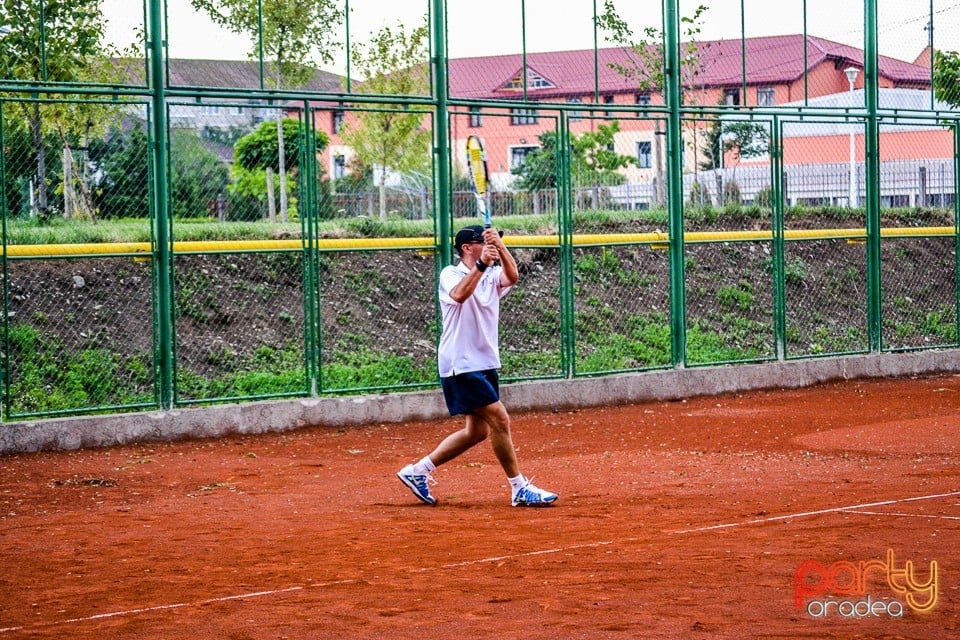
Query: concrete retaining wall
[285, 415]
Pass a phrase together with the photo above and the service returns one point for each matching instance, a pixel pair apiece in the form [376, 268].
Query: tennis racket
[479, 178]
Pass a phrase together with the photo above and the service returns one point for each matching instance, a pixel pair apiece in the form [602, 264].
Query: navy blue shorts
[467, 392]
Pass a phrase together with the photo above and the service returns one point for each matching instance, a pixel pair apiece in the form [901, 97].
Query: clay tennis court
[684, 519]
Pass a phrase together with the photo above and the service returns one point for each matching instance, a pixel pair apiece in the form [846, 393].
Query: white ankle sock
[424, 467]
[517, 483]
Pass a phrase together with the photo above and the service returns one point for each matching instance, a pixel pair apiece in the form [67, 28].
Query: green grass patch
[644, 344]
[49, 377]
[363, 368]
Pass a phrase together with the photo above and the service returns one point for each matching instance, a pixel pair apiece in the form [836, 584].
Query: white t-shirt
[470, 340]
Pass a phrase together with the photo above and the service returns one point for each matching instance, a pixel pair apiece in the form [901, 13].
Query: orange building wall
[897, 145]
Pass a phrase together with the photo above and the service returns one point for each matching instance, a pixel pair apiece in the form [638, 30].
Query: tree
[260, 149]
[198, 176]
[297, 36]
[120, 164]
[78, 123]
[121, 169]
[645, 64]
[538, 171]
[592, 161]
[20, 164]
[258, 154]
[746, 139]
[66, 46]
[391, 137]
[595, 160]
[742, 139]
[946, 77]
[645, 61]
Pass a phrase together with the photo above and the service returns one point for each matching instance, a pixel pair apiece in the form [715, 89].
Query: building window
[608, 100]
[523, 116]
[643, 155]
[643, 100]
[337, 117]
[765, 97]
[475, 119]
[534, 81]
[575, 116]
[339, 167]
[731, 97]
[519, 154]
[894, 202]
[940, 200]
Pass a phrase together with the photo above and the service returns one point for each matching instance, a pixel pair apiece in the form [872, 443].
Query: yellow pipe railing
[343, 244]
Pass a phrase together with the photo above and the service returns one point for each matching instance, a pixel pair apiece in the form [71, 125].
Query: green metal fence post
[806, 58]
[596, 54]
[930, 28]
[956, 226]
[523, 47]
[442, 216]
[163, 248]
[565, 225]
[872, 164]
[309, 218]
[779, 250]
[4, 364]
[441, 143]
[743, 54]
[672, 96]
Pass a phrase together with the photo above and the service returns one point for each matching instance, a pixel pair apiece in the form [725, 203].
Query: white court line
[542, 552]
[905, 515]
[807, 514]
[453, 565]
[178, 605]
[258, 594]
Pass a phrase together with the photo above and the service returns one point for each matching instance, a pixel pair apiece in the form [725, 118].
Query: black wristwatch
[481, 266]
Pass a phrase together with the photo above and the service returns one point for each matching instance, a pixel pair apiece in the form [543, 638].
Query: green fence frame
[159, 94]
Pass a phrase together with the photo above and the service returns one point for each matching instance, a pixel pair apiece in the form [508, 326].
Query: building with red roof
[764, 72]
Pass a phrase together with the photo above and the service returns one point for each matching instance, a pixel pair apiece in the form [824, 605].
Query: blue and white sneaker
[418, 484]
[533, 496]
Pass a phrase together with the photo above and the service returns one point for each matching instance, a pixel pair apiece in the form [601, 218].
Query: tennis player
[469, 357]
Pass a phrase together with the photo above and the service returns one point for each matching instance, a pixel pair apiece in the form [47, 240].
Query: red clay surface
[675, 520]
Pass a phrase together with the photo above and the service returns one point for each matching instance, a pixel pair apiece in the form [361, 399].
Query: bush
[731, 193]
[764, 198]
[699, 195]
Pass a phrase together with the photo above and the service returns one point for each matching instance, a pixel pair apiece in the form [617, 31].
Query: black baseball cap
[467, 235]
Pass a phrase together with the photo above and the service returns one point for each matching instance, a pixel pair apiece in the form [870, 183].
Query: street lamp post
[852, 73]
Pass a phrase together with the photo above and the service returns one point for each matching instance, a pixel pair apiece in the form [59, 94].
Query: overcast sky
[567, 24]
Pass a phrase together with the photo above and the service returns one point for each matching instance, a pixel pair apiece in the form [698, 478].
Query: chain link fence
[230, 236]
